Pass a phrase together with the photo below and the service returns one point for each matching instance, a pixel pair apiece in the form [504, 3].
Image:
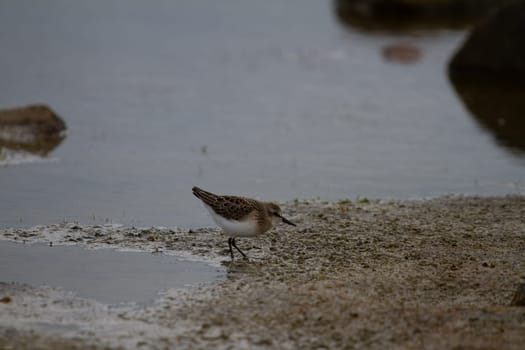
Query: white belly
[234, 228]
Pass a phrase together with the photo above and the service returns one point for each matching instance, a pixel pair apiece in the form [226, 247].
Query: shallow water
[276, 100]
[108, 276]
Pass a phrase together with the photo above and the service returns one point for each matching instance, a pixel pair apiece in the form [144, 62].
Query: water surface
[105, 275]
[273, 99]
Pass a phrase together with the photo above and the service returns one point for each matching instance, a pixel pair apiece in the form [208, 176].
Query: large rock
[496, 47]
[35, 129]
[414, 14]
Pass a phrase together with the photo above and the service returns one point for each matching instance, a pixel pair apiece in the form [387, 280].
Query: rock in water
[30, 122]
[403, 15]
[34, 129]
[496, 47]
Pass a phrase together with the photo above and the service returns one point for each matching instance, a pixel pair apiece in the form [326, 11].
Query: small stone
[153, 237]
[6, 300]
[212, 333]
[519, 296]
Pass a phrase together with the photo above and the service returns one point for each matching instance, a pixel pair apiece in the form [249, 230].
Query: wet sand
[430, 274]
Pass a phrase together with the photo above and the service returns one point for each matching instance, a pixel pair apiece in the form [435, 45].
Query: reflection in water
[391, 15]
[38, 146]
[498, 106]
[28, 150]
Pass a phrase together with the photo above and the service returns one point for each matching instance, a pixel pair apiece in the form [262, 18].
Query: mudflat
[437, 273]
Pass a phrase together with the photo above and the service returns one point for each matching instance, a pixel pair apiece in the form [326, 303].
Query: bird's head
[274, 211]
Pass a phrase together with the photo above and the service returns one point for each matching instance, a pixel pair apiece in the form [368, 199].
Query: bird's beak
[286, 221]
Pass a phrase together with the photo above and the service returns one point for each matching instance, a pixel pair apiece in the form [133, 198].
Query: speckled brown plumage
[229, 207]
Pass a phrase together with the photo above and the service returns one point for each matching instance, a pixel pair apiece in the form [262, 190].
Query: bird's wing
[229, 207]
[233, 208]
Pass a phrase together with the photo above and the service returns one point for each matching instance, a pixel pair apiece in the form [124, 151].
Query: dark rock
[496, 46]
[402, 15]
[519, 296]
[6, 300]
[488, 73]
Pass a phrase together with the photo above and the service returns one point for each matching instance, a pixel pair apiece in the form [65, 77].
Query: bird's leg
[240, 251]
[230, 245]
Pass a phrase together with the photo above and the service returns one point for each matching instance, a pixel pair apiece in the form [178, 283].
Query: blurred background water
[271, 99]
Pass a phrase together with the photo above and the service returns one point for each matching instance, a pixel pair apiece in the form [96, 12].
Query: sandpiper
[239, 216]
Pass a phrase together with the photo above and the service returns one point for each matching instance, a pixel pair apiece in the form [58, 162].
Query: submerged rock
[401, 53]
[496, 46]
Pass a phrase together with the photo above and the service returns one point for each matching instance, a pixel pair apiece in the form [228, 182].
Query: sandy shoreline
[434, 273]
